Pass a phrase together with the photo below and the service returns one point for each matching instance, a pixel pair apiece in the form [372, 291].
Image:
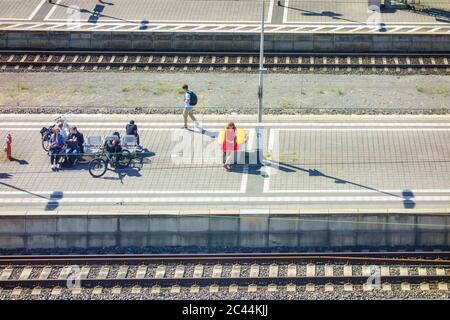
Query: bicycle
[46, 132]
[99, 165]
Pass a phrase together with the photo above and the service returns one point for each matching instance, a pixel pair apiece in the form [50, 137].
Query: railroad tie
[97, 290]
[422, 271]
[156, 290]
[64, 273]
[329, 270]
[292, 270]
[136, 290]
[425, 286]
[236, 271]
[122, 273]
[234, 288]
[329, 287]
[291, 287]
[198, 271]
[440, 272]
[310, 270]
[254, 271]
[25, 274]
[56, 291]
[310, 287]
[385, 271]
[217, 271]
[141, 272]
[36, 291]
[76, 290]
[179, 271]
[252, 288]
[348, 271]
[103, 273]
[214, 288]
[348, 287]
[16, 291]
[160, 272]
[272, 287]
[405, 286]
[116, 290]
[404, 271]
[366, 271]
[6, 273]
[442, 286]
[386, 287]
[175, 289]
[195, 288]
[84, 272]
[273, 271]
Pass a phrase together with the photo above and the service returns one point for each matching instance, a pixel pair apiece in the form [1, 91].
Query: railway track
[224, 62]
[423, 271]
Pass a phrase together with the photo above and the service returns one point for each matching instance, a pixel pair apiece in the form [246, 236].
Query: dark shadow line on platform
[331, 14]
[97, 14]
[23, 190]
[53, 201]
[374, 162]
[316, 173]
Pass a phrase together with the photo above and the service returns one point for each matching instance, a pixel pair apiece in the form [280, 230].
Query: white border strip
[286, 11]
[248, 200]
[5, 124]
[36, 10]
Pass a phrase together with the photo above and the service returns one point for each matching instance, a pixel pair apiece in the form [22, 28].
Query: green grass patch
[87, 88]
[420, 89]
[443, 91]
[24, 86]
[340, 92]
[125, 88]
[286, 103]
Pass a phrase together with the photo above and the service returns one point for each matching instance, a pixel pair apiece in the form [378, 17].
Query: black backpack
[193, 100]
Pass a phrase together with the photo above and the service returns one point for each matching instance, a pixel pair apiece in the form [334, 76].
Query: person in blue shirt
[55, 148]
[188, 107]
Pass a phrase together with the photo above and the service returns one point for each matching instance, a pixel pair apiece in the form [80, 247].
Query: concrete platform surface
[214, 16]
[354, 164]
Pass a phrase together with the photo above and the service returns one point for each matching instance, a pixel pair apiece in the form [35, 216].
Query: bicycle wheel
[45, 144]
[124, 159]
[97, 167]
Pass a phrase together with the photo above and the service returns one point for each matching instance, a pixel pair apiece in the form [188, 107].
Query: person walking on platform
[190, 100]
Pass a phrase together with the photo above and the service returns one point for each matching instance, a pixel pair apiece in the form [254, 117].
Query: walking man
[190, 100]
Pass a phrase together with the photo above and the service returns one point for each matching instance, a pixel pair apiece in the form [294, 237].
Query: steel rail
[224, 281]
[401, 258]
[223, 53]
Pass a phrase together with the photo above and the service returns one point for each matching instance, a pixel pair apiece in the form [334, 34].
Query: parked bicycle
[99, 165]
[46, 132]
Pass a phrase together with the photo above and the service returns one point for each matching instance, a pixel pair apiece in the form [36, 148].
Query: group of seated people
[67, 144]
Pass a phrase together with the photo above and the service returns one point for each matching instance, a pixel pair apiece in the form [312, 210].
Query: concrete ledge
[221, 228]
[216, 41]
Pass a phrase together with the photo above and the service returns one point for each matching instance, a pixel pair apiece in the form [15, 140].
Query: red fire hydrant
[8, 146]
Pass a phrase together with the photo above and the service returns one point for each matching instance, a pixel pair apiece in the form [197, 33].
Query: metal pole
[261, 66]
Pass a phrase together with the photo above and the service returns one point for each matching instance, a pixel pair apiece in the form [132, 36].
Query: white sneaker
[58, 166]
[53, 167]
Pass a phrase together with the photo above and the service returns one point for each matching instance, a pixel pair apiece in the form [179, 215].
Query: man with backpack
[190, 100]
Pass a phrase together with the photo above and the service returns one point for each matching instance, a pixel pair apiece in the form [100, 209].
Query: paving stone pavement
[322, 162]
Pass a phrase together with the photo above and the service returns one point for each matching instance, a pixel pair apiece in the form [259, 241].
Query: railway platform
[295, 25]
[325, 181]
